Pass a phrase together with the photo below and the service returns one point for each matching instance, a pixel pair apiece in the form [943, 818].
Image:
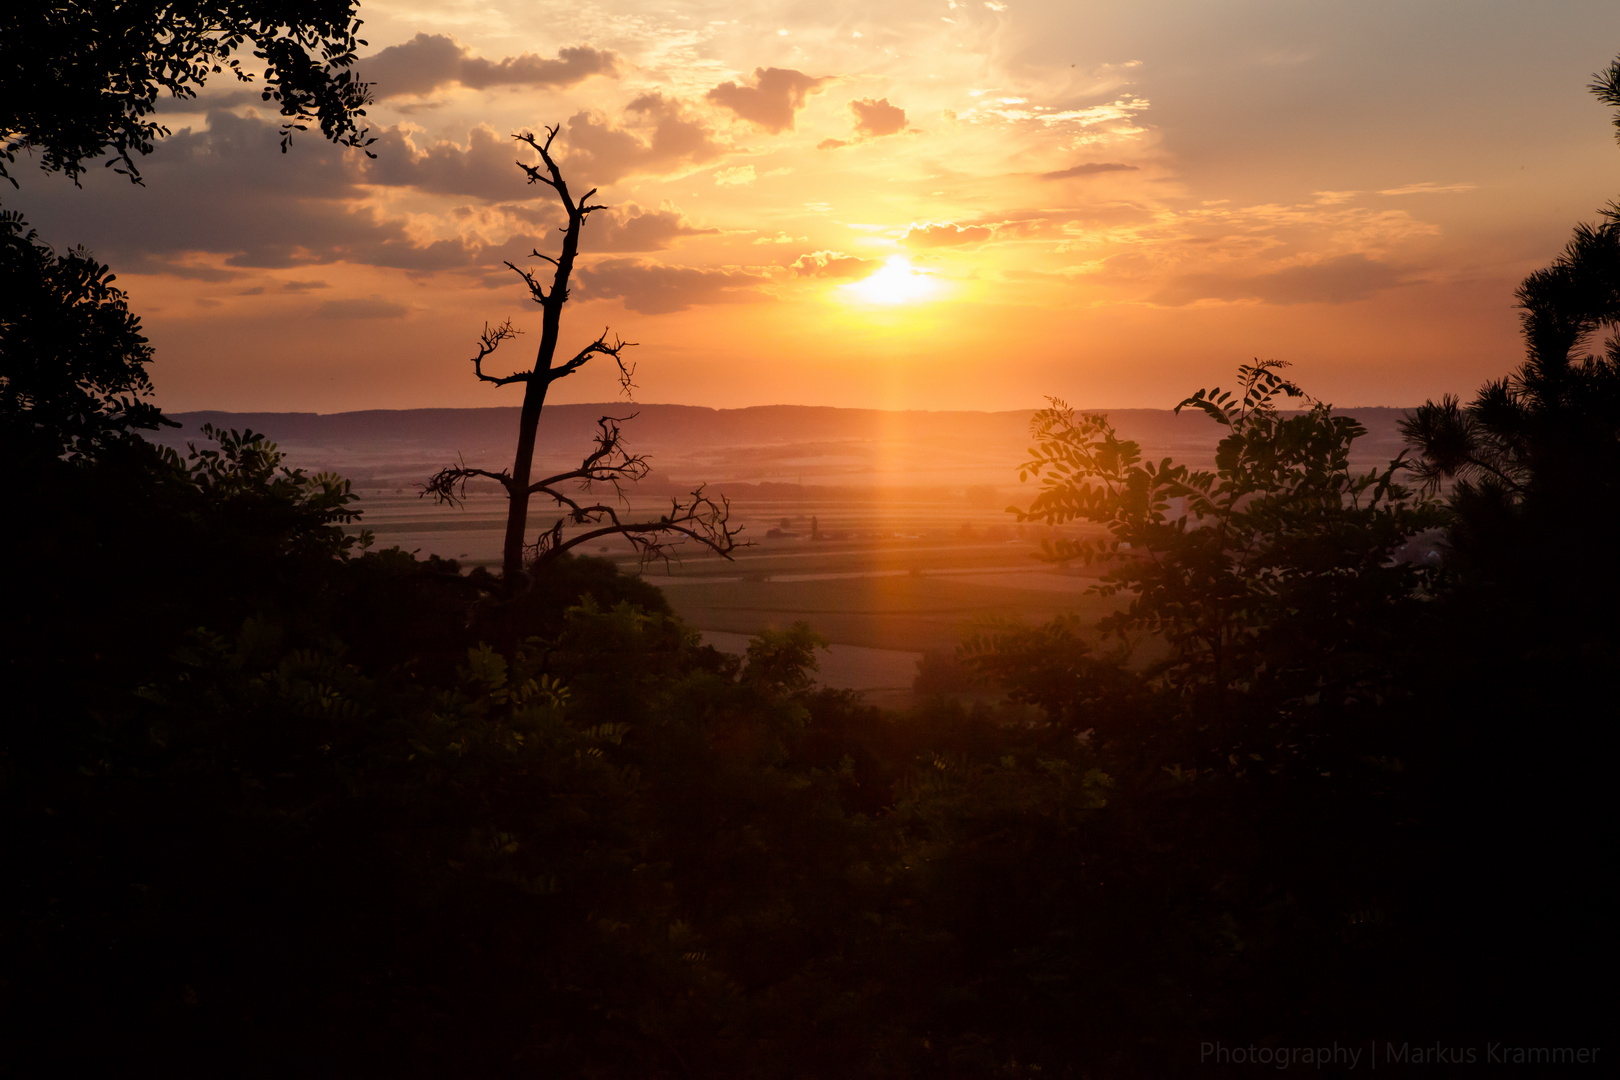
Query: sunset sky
[935, 204]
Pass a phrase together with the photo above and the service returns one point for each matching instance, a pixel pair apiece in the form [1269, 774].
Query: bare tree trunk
[517, 492]
[540, 379]
[699, 517]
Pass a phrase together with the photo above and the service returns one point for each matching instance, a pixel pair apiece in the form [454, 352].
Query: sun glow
[896, 283]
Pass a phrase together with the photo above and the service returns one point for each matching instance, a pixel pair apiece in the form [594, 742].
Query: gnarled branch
[488, 342]
[449, 485]
[698, 517]
[600, 346]
[550, 174]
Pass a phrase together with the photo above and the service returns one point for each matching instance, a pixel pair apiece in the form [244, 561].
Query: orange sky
[941, 204]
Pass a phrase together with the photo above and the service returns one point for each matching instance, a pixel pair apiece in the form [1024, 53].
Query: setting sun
[896, 283]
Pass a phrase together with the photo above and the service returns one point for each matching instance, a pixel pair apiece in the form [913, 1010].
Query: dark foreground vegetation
[275, 804]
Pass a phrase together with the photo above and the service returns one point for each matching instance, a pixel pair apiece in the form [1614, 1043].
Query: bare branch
[599, 346]
[608, 463]
[536, 290]
[697, 517]
[488, 342]
[552, 176]
[449, 485]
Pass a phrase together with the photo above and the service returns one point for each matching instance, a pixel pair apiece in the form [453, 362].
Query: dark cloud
[777, 94]
[630, 228]
[659, 138]
[1090, 168]
[652, 289]
[945, 234]
[374, 307]
[485, 168]
[877, 118]
[303, 286]
[1342, 280]
[833, 264]
[149, 263]
[229, 191]
[429, 61]
[830, 144]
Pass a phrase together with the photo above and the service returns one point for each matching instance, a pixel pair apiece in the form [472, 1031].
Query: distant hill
[764, 444]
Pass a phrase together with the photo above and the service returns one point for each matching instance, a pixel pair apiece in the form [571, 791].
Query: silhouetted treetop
[82, 77]
[1606, 86]
[1550, 426]
[72, 355]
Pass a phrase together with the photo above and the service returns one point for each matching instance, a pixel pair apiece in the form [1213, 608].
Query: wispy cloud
[833, 264]
[945, 234]
[1090, 168]
[735, 177]
[1343, 280]
[371, 307]
[654, 289]
[1427, 188]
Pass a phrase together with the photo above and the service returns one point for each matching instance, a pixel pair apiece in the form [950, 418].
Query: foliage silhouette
[1532, 464]
[72, 356]
[1270, 578]
[81, 77]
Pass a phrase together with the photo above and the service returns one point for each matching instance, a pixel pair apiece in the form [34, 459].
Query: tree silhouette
[1271, 577]
[72, 356]
[697, 516]
[80, 77]
[1532, 461]
[1606, 87]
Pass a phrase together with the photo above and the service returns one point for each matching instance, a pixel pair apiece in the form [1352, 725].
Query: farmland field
[890, 581]
[887, 532]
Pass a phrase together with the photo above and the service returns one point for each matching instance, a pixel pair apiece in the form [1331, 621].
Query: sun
[895, 283]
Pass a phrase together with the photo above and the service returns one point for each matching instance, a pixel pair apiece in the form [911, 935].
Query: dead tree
[608, 466]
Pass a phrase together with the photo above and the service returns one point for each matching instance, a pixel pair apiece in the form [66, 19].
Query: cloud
[833, 264]
[1427, 188]
[303, 286]
[777, 94]
[484, 168]
[429, 61]
[1020, 111]
[660, 138]
[374, 307]
[830, 144]
[652, 289]
[944, 234]
[741, 175]
[1341, 280]
[1090, 168]
[877, 118]
[229, 191]
[152, 263]
[630, 228]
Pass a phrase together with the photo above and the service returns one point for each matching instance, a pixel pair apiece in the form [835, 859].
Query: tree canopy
[73, 359]
[79, 78]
